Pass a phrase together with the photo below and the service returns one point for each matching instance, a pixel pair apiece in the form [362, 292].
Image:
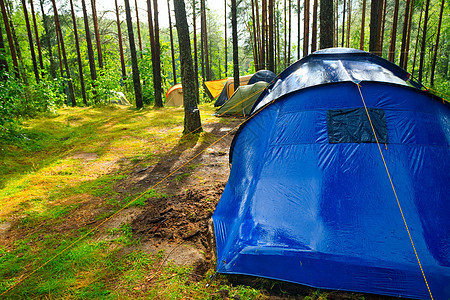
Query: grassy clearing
[68, 163]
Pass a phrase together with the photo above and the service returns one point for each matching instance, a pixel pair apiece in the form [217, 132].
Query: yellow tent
[215, 87]
[174, 96]
[243, 80]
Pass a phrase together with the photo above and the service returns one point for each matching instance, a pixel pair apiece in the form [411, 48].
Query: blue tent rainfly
[309, 199]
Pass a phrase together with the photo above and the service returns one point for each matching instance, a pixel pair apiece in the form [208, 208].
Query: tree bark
[172, 50]
[298, 29]
[349, 22]
[225, 34]
[285, 34]
[235, 44]
[424, 39]
[433, 63]
[49, 45]
[205, 40]
[326, 24]
[134, 62]
[97, 34]
[306, 28]
[394, 33]
[63, 50]
[192, 122]
[417, 40]
[255, 41]
[77, 47]
[375, 28]
[271, 62]
[363, 24]
[90, 49]
[10, 39]
[408, 37]
[3, 63]
[194, 8]
[343, 25]
[157, 81]
[404, 34]
[263, 34]
[138, 27]
[258, 34]
[119, 35]
[314, 28]
[36, 36]
[382, 21]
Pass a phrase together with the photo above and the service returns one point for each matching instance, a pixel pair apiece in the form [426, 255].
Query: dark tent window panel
[353, 126]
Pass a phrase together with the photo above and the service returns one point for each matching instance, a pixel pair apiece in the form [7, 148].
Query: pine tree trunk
[138, 27]
[306, 28]
[363, 24]
[77, 47]
[285, 34]
[97, 34]
[271, 62]
[3, 63]
[10, 39]
[207, 74]
[49, 45]
[63, 50]
[202, 43]
[408, 37]
[36, 36]
[16, 44]
[314, 28]
[263, 34]
[326, 24]
[134, 61]
[404, 34]
[157, 81]
[349, 22]
[194, 8]
[258, 34]
[394, 33]
[417, 40]
[172, 49]
[277, 34]
[192, 122]
[299, 37]
[235, 43]
[424, 39]
[255, 41]
[336, 27]
[343, 25]
[119, 35]
[433, 63]
[382, 13]
[90, 49]
[375, 28]
[225, 35]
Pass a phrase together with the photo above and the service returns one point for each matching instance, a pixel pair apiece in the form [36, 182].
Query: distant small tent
[118, 98]
[241, 102]
[228, 89]
[262, 75]
[174, 96]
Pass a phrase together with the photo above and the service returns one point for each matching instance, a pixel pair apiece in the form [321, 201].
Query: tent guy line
[393, 189]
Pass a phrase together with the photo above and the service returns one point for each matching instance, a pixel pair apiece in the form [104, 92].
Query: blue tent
[309, 199]
[262, 75]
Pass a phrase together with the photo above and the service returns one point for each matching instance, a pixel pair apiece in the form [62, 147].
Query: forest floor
[115, 203]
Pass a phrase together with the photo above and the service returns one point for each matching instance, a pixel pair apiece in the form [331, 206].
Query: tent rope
[395, 193]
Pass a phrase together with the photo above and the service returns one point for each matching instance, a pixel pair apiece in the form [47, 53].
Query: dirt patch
[86, 156]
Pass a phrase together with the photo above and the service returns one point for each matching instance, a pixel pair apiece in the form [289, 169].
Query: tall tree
[436, 46]
[77, 47]
[64, 55]
[417, 40]
[134, 62]
[47, 39]
[235, 43]
[36, 36]
[119, 37]
[138, 27]
[192, 121]
[90, 49]
[375, 27]
[10, 38]
[225, 34]
[382, 20]
[16, 42]
[258, 34]
[157, 81]
[394, 32]
[271, 61]
[314, 27]
[404, 34]
[326, 24]
[349, 22]
[97, 34]
[255, 40]
[205, 40]
[343, 25]
[424, 39]
[3, 62]
[363, 24]
[194, 17]
[408, 37]
[299, 37]
[263, 34]
[306, 28]
[172, 49]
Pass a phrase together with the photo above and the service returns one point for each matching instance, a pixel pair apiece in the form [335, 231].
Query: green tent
[241, 102]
